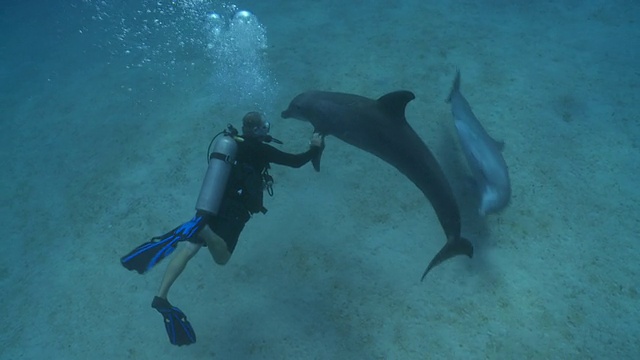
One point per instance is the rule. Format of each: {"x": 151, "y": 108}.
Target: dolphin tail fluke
{"x": 461, "y": 246}
{"x": 456, "y": 86}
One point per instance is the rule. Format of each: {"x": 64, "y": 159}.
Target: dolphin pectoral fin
{"x": 315, "y": 161}
{"x": 461, "y": 246}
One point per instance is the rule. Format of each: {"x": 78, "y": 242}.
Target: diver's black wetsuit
{"x": 243, "y": 194}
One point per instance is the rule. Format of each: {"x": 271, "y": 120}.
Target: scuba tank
{"x": 215, "y": 180}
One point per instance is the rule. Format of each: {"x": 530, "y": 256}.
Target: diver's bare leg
{"x": 217, "y": 246}
{"x": 176, "y": 266}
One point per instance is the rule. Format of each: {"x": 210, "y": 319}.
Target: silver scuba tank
{"x": 215, "y": 180}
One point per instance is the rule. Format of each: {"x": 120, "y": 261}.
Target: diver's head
{"x": 254, "y": 124}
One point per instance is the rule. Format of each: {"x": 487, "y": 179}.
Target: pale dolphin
{"x": 483, "y": 154}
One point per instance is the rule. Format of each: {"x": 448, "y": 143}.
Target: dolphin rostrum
{"x": 380, "y": 128}
{"x": 483, "y": 154}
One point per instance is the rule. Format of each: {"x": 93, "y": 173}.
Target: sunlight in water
{"x": 173, "y": 36}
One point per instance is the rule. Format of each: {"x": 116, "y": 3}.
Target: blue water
{"x": 107, "y": 108}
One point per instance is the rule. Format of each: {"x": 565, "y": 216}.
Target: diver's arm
{"x": 276, "y": 156}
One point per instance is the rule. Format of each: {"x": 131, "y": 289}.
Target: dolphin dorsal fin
{"x": 395, "y": 102}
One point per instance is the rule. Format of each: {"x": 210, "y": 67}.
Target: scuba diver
{"x": 232, "y": 191}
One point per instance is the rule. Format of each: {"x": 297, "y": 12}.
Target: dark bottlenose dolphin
{"x": 483, "y": 154}
{"x": 380, "y": 128}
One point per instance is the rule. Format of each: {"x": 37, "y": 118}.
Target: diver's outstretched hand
{"x": 317, "y": 140}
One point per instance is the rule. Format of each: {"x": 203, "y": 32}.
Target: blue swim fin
{"x": 147, "y": 255}
{"x": 178, "y": 327}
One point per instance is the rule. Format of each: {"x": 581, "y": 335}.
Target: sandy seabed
{"x": 98, "y": 155}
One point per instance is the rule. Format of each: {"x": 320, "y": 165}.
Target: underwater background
{"x": 107, "y": 108}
